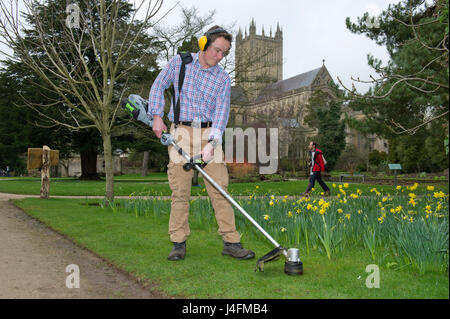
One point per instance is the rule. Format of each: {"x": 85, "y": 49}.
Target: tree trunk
{"x": 109, "y": 169}
{"x": 145, "y": 163}
{"x": 45, "y": 173}
{"x": 89, "y": 165}
{"x": 65, "y": 164}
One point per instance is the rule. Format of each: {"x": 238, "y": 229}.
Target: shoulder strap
{"x": 186, "y": 58}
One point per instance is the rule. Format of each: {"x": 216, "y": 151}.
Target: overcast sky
{"x": 312, "y": 31}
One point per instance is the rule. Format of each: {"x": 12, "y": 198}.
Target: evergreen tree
{"x": 412, "y": 97}
{"x": 324, "y": 112}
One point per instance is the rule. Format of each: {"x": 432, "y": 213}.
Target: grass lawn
{"x": 140, "y": 245}
{"x": 156, "y": 184}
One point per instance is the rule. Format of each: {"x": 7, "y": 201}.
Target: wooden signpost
{"x": 43, "y": 158}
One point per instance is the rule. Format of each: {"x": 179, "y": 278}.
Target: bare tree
{"x": 191, "y": 24}
{"x": 85, "y": 88}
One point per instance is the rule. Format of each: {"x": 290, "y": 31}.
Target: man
{"x": 203, "y": 116}
{"x": 317, "y": 165}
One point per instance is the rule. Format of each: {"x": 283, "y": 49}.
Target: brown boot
{"x": 178, "y": 251}
{"x": 237, "y": 251}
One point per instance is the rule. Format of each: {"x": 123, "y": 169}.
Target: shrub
{"x": 240, "y": 170}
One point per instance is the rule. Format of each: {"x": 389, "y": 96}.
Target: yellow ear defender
{"x": 204, "y": 41}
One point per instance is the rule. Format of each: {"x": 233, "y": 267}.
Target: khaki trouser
{"x": 192, "y": 141}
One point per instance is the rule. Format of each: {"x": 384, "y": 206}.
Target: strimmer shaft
{"x": 228, "y": 197}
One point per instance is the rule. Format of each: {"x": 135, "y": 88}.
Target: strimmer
{"x": 136, "y": 106}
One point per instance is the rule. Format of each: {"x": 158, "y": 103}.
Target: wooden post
{"x": 45, "y": 173}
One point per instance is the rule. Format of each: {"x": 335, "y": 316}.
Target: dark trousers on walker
{"x": 312, "y": 180}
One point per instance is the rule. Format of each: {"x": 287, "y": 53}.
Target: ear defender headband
{"x": 205, "y": 40}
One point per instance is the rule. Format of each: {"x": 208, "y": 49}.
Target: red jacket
{"x": 319, "y": 165}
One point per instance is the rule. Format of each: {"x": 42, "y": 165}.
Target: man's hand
{"x": 158, "y": 126}
{"x": 208, "y": 152}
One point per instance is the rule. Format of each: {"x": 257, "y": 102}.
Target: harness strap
{"x": 186, "y": 58}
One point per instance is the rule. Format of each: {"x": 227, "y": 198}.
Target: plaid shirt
{"x": 205, "y": 94}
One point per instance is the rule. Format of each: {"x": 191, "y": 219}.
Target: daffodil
{"x": 266, "y": 217}
{"x": 289, "y": 214}
{"x": 271, "y": 203}
{"x": 439, "y": 194}
{"x": 430, "y": 188}
{"x": 345, "y": 185}
{"x": 347, "y": 216}
{"x": 339, "y": 210}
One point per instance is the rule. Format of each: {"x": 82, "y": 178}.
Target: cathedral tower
{"x": 259, "y": 59}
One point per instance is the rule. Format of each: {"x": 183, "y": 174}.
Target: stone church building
{"x": 262, "y": 98}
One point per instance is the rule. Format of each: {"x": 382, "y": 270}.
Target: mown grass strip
{"x": 140, "y": 246}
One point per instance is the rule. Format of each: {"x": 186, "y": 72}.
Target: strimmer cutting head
{"x": 293, "y": 264}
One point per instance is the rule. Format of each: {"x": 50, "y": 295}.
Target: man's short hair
{"x": 226, "y": 35}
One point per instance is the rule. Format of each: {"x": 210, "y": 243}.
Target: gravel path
{"x": 33, "y": 261}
